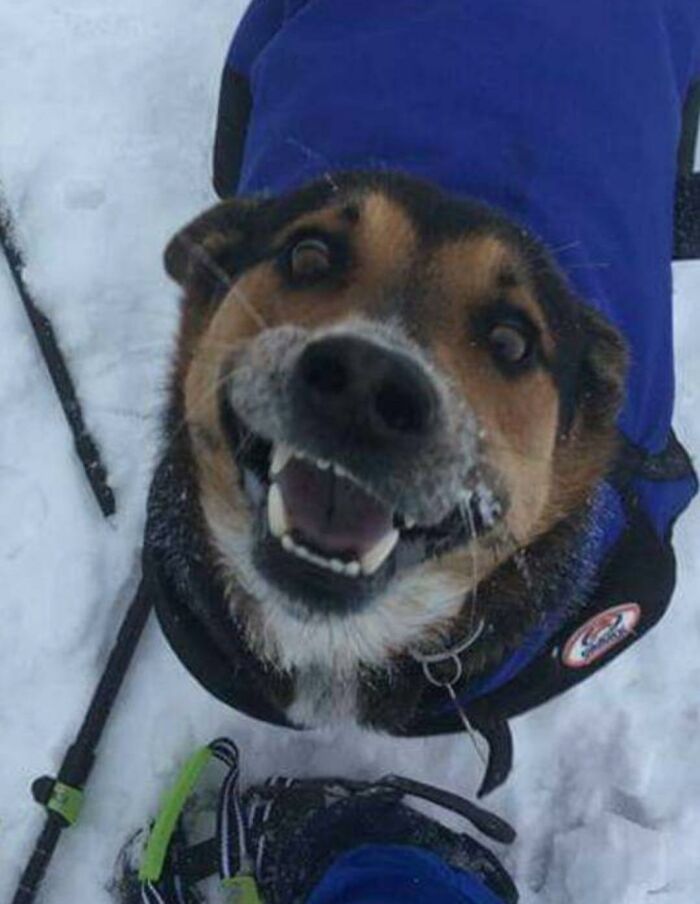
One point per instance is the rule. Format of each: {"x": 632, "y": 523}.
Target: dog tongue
{"x": 333, "y": 513}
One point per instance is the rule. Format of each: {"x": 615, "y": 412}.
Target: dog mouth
{"x": 320, "y": 513}
{"x": 323, "y": 536}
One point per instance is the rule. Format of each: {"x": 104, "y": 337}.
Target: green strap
{"x": 174, "y": 800}
{"x": 244, "y": 889}
{"x": 66, "y": 801}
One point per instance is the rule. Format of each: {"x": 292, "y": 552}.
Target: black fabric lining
{"x": 640, "y": 569}
{"x": 182, "y": 579}
{"x": 187, "y": 596}
{"x": 689, "y": 132}
{"x": 672, "y": 463}
{"x": 232, "y": 680}
{"x": 235, "y": 104}
{"x": 686, "y": 238}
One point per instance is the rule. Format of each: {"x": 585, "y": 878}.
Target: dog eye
{"x": 510, "y": 344}
{"x": 309, "y": 258}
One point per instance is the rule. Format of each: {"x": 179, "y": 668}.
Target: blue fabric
{"x": 392, "y": 874}
{"x": 606, "y": 525}
{"x": 565, "y": 116}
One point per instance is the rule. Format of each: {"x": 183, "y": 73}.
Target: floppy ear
{"x": 205, "y": 256}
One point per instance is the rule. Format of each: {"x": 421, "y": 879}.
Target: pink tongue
{"x": 331, "y": 512}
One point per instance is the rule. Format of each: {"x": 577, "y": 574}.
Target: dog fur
{"x": 423, "y": 276}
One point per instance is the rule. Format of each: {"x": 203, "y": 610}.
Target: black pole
{"x": 79, "y": 758}
{"x": 85, "y": 445}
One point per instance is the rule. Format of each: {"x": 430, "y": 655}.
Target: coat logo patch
{"x": 600, "y": 634}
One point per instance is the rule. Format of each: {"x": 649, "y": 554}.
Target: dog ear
{"x": 205, "y": 256}
{"x": 603, "y": 371}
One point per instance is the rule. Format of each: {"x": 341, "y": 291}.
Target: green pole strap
{"x": 174, "y": 800}
{"x": 66, "y": 801}
{"x": 244, "y": 890}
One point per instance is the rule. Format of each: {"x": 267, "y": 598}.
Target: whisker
{"x": 521, "y": 563}
{"x": 205, "y": 258}
{"x": 222, "y": 278}
{"x": 244, "y": 443}
{"x": 204, "y": 397}
{"x": 128, "y": 413}
{"x": 331, "y": 181}
{"x": 245, "y": 303}
{"x": 576, "y": 243}
{"x": 465, "y": 509}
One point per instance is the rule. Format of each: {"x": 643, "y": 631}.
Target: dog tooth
{"x": 288, "y": 544}
{"x": 322, "y": 463}
{"x": 276, "y": 512}
{"x": 409, "y": 523}
{"x": 281, "y": 455}
{"x": 315, "y": 559}
{"x": 371, "y": 561}
{"x": 351, "y": 569}
{"x": 302, "y": 552}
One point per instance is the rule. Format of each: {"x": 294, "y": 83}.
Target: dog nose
{"x": 365, "y": 392}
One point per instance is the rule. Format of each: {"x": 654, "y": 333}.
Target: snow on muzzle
{"x": 358, "y": 459}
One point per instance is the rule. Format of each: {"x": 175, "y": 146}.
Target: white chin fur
{"x": 334, "y": 646}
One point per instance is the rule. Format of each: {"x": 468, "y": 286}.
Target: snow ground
{"x": 107, "y": 114}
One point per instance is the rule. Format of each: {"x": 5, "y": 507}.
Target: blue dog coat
{"x": 566, "y": 117}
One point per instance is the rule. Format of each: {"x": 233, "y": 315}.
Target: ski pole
{"x": 85, "y": 445}
{"x": 62, "y": 796}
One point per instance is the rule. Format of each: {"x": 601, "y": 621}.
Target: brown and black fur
{"x": 443, "y": 268}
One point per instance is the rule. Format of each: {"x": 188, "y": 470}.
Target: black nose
{"x": 363, "y": 392}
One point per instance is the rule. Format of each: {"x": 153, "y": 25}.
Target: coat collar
{"x": 188, "y": 591}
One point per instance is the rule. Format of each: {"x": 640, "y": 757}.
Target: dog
{"x": 393, "y": 443}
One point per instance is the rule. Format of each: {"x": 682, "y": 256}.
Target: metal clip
{"x": 429, "y": 661}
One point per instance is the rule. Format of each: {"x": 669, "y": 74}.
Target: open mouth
{"x": 321, "y": 514}
{"x": 323, "y": 536}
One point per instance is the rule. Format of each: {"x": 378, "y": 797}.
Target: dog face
{"x": 387, "y": 393}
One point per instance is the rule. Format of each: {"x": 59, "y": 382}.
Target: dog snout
{"x": 364, "y": 392}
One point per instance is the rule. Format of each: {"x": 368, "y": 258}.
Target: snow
{"x": 107, "y": 113}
